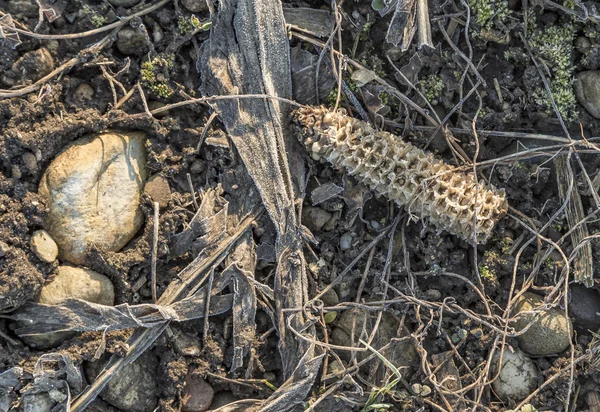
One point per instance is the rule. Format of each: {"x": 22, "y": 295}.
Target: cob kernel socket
{"x": 427, "y": 187}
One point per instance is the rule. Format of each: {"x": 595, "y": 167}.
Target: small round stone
{"x": 3, "y": 249}
{"x": 79, "y": 283}
{"x": 587, "y": 91}
{"x": 314, "y": 218}
{"x": 43, "y": 246}
{"x": 346, "y": 241}
{"x": 131, "y": 42}
{"x": 584, "y": 307}
{"x": 195, "y": 6}
{"x": 159, "y": 190}
{"x": 517, "y": 378}
{"x": 83, "y": 93}
{"x": 124, "y": 3}
{"x": 30, "y": 162}
{"x": 550, "y": 331}
{"x": 197, "y": 394}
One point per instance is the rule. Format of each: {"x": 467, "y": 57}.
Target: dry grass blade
{"x": 583, "y": 270}
{"x": 248, "y": 53}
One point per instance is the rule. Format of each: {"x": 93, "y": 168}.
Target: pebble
{"x": 584, "y": 307}
{"x": 346, "y": 241}
{"x": 402, "y": 354}
{"x": 131, "y": 42}
{"x": 587, "y": 91}
{"x": 71, "y": 282}
{"x": 314, "y": 218}
{"x": 23, "y": 8}
{"x": 155, "y": 104}
{"x": 124, "y": 3}
{"x": 133, "y": 388}
{"x": 159, "y": 190}
{"x": 78, "y": 283}
{"x": 195, "y": 6}
{"x": 92, "y": 191}
{"x": 30, "y": 67}
{"x": 30, "y": 162}
{"x": 433, "y": 295}
{"x": 198, "y": 166}
{"x": 197, "y": 394}
{"x": 43, "y": 246}
{"x": 184, "y": 344}
{"x": 550, "y": 332}
{"x": 330, "y": 298}
{"x": 3, "y": 249}
{"x": 518, "y": 375}
{"x": 223, "y": 398}
{"x": 83, "y": 93}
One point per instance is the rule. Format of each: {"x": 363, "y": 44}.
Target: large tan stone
{"x": 92, "y": 190}
{"x": 76, "y": 283}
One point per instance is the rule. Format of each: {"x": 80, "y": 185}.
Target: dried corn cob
{"x": 452, "y": 200}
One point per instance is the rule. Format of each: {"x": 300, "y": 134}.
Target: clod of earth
{"x": 158, "y": 189}
{"x": 92, "y": 191}
{"x": 518, "y": 375}
{"x": 451, "y": 199}
{"x": 76, "y": 283}
{"x": 550, "y": 332}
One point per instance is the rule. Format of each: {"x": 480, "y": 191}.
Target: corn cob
{"x": 453, "y": 200}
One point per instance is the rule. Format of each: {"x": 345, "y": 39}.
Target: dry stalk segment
{"x": 427, "y": 187}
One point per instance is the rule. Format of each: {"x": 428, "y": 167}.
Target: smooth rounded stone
{"x": 197, "y": 394}
{"x": 584, "y": 307}
{"x": 159, "y": 190}
{"x": 195, "y": 6}
{"x": 30, "y": 67}
{"x": 83, "y": 93}
{"x": 76, "y": 283}
{"x": 92, "y": 190}
{"x": 401, "y": 354}
{"x": 124, "y": 3}
{"x": 550, "y": 332}
{"x": 517, "y": 378}
{"x": 133, "y": 388}
{"x": 223, "y": 398}
{"x": 131, "y": 42}
{"x": 30, "y": 162}
{"x": 330, "y": 298}
{"x": 314, "y": 218}
{"x": 3, "y": 248}
{"x": 23, "y": 8}
{"x": 43, "y": 246}
{"x": 346, "y": 241}
{"x": 587, "y": 91}
{"x": 154, "y": 105}
{"x": 184, "y": 344}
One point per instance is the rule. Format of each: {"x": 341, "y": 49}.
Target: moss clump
{"x": 432, "y": 87}
{"x": 489, "y": 14}
{"x": 189, "y": 24}
{"x": 155, "y": 74}
{"x": 554, "y": 47}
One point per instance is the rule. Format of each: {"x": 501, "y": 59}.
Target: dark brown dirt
{"x": 43, "y": 123}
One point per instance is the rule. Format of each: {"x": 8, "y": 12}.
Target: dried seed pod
{"x": 427, "y": 187}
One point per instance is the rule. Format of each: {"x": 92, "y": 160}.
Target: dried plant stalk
{"x": 452, "y": 200}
